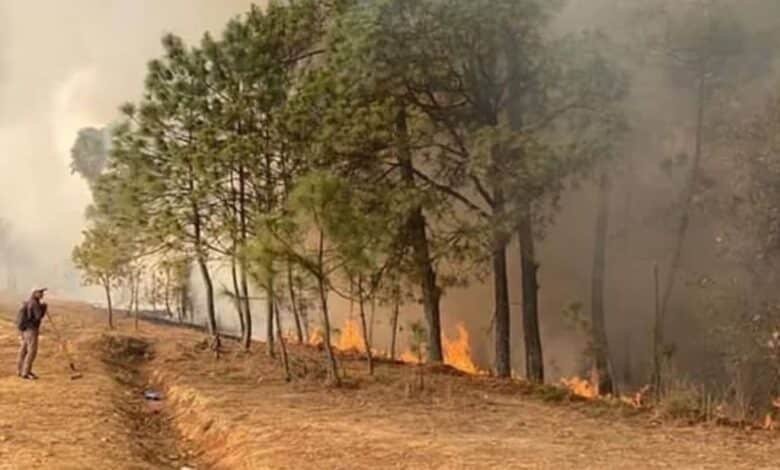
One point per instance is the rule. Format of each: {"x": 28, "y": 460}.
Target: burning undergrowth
{"x": 457, "y": 349}
{"x": 672, "y": 405}
{"x": 458, "y": 357}
{"x": 687, "y": 405}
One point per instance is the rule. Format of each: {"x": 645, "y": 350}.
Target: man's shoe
{"x": 30, "y": 377}
{"x": 33, "y": 376}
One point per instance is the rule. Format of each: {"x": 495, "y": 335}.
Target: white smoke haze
{"x": 64, "y": 66}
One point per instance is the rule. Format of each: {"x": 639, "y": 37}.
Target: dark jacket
{"x": 31, "y": 314}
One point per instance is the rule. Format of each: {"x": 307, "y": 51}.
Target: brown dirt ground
{"x": 239, "y": 413}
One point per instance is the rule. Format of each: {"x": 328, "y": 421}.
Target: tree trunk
{"x": 131, "y": 279}
{"x": 351, "y": 296}
{"x": 304, "y": 313}
{"x": 179, "y": 307}
{"x": 518, "y": 104}
{"x": 167, "y": 294}
{"x": 154, "y": 292}
{"x": 333, "y": 371}
{"x": 688, "y": 194}
{"x": 269, "y": 325}
{"x": 534, "y": 361}
{"x": 136, "y": 307}
{"x": 658, "y": 335}
{"x": 185, "y": 292}
{"x": 503, "y": 332}
{"x": 211, "y": 315}
{"x": 394, "y": 326}
{"x": 130, "y": 305}
{"x": 211, "y": 312}
{"x": 242, "y": 215}
{"x": 242, "y": 261}
{"x": 372, "y": 321}
{"x": 294, "y": 303}
{"x": 418, "y": 239}
{"x": 363, "y": 323}
{"x": 282, "y": 344}
{"x": 184, "y": 312}
{"x": 331, "y": 357}
{"x": 200, "y": 255}
{"x": 601, "y": 357}
{"x": 237, "y": 295}
{"x": 107, "y": 287}
{"x": 430, "y": 289}
{"x": 501, "y": 293}
{"x": 247, "y": 308}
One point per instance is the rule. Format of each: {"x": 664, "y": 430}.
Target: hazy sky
{"x": 65, "y": 65}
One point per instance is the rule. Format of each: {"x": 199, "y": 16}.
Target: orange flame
{"x": 351, "y": 338}
{"x": 457, "y": 352}
{"x": 410, "y": 357}
{"x": 580, "y": 387}
{"x": 316, "y": 337}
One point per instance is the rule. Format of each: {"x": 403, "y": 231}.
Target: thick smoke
{"x": 643, "y": 218}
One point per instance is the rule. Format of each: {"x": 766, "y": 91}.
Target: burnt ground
{"x": 238, "y": 413}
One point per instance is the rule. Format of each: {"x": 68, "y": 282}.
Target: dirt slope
{"x": 96, "y": 421}
{"x": 238, "y": 413}
{"x": 458, "y": 423}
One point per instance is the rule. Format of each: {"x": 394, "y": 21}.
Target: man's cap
{"x": 39, "y": 289}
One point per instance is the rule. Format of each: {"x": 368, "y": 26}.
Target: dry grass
{"x": 89, "y": 423}
{"x": 239, "y": 413}
{"x": 384, "y": 422}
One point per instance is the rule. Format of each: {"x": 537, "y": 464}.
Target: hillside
{"x": 238, "y": 412}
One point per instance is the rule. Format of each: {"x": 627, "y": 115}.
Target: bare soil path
{"x": 97, "y": 421}
{"x": 238, "y": 413}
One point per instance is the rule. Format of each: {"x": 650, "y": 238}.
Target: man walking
{"x": 29, "y": 322}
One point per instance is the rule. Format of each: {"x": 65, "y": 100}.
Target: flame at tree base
{"x": 350, "y": 338}
{"x": 581, "y": 387}
{"x": 457, "y": 352}
{"x": 316, "y": 338}
{"x": 410, "y": 358}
